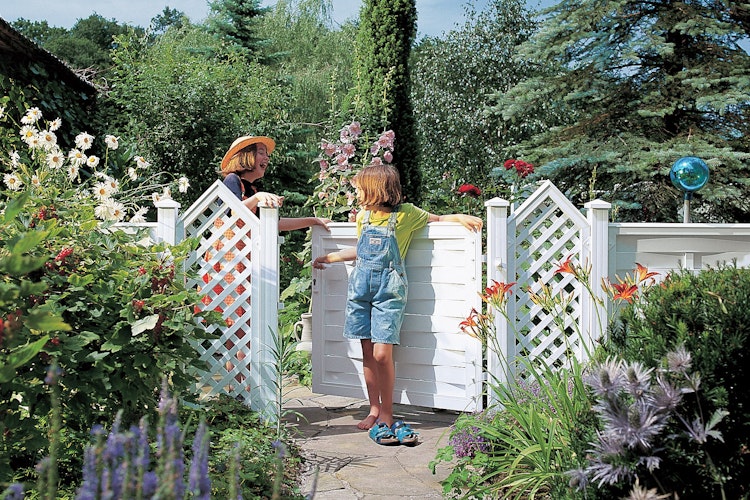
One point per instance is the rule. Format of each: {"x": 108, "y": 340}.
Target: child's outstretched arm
{"x": 468, "y": 221}
{"x": 340, "y": 256}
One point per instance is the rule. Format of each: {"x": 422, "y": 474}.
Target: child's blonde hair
{"x": 243, "y": 160}
{"x": 380, "y": 185}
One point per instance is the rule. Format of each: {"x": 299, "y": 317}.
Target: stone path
{"x": 350, "y": 465}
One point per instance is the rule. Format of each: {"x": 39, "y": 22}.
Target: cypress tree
{"x": 384, "y": 40}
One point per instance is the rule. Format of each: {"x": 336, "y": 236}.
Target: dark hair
{"x": 380, "y": 185}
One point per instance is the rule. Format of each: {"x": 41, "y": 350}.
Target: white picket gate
{"x": 437, "y": 365}
{"x": 237, "y": 263}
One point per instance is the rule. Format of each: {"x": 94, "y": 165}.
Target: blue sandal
{"x": 382, "y": 434}
{"x": 405, "y": 434}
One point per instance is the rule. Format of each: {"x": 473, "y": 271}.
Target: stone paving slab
{"x": 349, "y": 464}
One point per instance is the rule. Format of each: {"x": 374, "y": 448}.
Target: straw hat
{"x": 242, "y": 142}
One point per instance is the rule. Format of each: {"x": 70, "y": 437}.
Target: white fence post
{"x": 597, "y": 214}
{"x": 169, "y": 227}
{"x": 265, "y": 323}
{"x": 498, "y": 259}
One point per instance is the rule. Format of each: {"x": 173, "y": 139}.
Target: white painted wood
{"x": 437, "y": 365}
{"x": 234, "y": 245}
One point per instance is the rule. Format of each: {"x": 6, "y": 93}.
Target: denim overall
{"x": 376, "y": 295}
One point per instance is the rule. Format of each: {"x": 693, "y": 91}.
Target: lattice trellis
{"x": 546, "y": 233}
{"x": 549, "y": 314}
{"x": 228, "y": 255}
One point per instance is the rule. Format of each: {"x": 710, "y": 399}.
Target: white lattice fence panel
{"x": 547, "y": 229}
{"x": 224, "y": 268}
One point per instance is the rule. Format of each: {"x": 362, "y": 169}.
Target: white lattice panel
{"x": 545, "y": 231}
{"x": 226, "y": 259}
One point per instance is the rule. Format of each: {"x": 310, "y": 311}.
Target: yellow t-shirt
{"x": 409, "y": 219}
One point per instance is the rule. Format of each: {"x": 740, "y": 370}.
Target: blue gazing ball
{"x": 689, "y": 173}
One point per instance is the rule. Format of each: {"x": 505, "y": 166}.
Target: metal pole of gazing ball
{"x": 689, "y": 174}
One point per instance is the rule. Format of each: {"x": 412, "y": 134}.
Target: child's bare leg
{"x": 370, "y": 369}
{"x": 386, "y": 372}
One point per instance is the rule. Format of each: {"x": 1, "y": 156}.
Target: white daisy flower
{"x": 48, "y": 139}
{"x": 76, "y": 157}
{"x": 73, "y": 171}
{"x": 111, "y": 141}
{"x": 35, "y": 181}
{"x": 132, "y": 174}
{"x": 84, "y": 141}
{"x": 101, "y": 175}
{"x": 139, "y": 216}
{"x": 141, "y": 162}
{"x": 115, "y": 210}
{"x": 35, "y": 142}
{"x": 13, "y": 181}
{"x": 114, "y": 185}
{"x": 183, "y": 184}
{"x": 2, "y": 111}
{"x": 34, "y": 114}
{"x": 28, "y": 132}
{"x": 55, "y": 159}
{"x": 101, "y": 191}
{"x": 55, "y": 125}
{"x": 92, "y": 161}
{"x": 101, "y": 211}
{"x": 15, "y": 158}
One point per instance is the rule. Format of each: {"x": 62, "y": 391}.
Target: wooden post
{"x": 169, "y": 227}
{"x": 598, "y": 256}
{"x": 499, "y": 364}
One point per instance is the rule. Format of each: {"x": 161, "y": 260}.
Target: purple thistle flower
{"x": 679, "y": 360}
{"x": 199, "y": 483}
{"x": 666, "y": 397}
{"x": 637, "y": 379}
{"x": 578, "y": 479}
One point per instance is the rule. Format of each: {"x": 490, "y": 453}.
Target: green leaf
{"x": 144, "y": 324}
{"x": 20, "y": 357}
{"x": 14, "y": 206}
{"x": 28, "y": 241}
{"x": 45, "y": 321}
{"x": 18, "y": 265}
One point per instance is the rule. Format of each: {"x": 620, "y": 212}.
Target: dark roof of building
{"x": 14, "y": 43}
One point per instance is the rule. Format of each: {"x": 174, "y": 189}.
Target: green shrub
{"x": 709, "y": 314}
{"x": 129, "y": 317}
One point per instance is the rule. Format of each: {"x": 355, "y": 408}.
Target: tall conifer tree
{"x": 384, "y": 40}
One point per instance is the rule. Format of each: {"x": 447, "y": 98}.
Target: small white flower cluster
{"x": 42, "y": 143}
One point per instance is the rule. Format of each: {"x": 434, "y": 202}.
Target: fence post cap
{"x": 598, "y": 204}
{"x": 497, "y": 202}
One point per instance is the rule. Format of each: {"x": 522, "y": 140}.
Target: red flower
{"x": 469, "y": 189}
{"x": 522, "y": 168}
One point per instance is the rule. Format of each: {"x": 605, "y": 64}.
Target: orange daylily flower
{"x": 625, "y": 292}
{"x": 642, "y": 274}
{"x": 566, "y": 267}
{"x": 470, "y": 324}
{"x": 496, "y": 289}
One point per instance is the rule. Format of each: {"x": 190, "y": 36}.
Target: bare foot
{"x": 368, "y": 422}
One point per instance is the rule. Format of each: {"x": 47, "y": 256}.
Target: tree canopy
{"x": 642, "y": 84}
